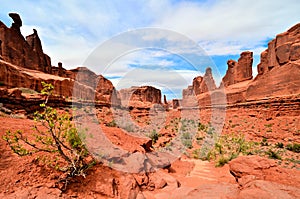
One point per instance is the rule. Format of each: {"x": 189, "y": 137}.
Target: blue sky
{"x": 72, "y": 30}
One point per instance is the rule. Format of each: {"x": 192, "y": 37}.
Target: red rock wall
{"x": 144, "y": 94}
{"x": 281, "y": 50}
{"x": 25, "y": 53}
{"x": 239, "y": 71}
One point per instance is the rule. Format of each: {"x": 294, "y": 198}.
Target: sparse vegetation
{"x": 56, "y": 139}
{"x": 295, "y": 147}
{"x": 264, "y": 142}
{"x": 229, "y": 147}
{"x": 279, "y": 145}
{"x": 186, "y": 140}
{"x": 112, "y": 124}
{"x": 154, "y": 136}
{"x": 273, "y": 154}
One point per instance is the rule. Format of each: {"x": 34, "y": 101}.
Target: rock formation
{"x": 187, "y": 92}
{"x": 20, "y": 55}
{"x": 281, "y": 50}
{"x": 25, "y": 53}
{"x": 165, "y": 100}
{"x": 144, "y": 94}
{"x": 200, "y": 85}
{"x": 239, "y": 71}
{"x": 279, "y": 68}
{"x": 175, "y": 103}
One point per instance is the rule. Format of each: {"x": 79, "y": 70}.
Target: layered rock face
{"x": 279, "y": 68}
{"x": 25, "y": 53}
{"x": 24, "y": 64}
{"x": 281, "y": 50}
{"x": 205, "y": 83}
{"x": 239, "y": 71}
{"x": 144, "y": 94}
{"x": 200, "y": 85}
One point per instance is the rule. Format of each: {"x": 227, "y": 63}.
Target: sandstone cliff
{"x": 24, "y": 64}
{"x": 200, "y": 85}
{"x": 279, "y": 68}
{"x": 239, "y": 71}
{"x": 278, "y": 75}
{"x": 18, "y": 51}
{"x": 281, "y": 50}
{"x": 136, "y": 96}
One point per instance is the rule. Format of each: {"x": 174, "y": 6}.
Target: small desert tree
{"x": 56, "y": 138}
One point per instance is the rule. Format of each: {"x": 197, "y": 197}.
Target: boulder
{"x": 249, "y": 168}
{"x": 260, "y": 177}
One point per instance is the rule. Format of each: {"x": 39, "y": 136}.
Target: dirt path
{"x": 204, "y": 173}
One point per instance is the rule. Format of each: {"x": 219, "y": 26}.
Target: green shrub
{"x": 187, "y": 140}
{"x": 222, "y": 161}
{"x": 264, "y": 142}
{"x": 59, "y": 140}
{"x": 279, "y": 145}
{"x": 229, "y": 147}
{"x": 154, "y": 136}
{"x": 295, "y": 147}
{"x": 273, "y": 155}
{"x": 112, "y": 124}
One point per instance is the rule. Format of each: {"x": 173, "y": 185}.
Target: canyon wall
{"x": 136, "y": 96}
{"x": 278, "y": 75}
{"x": 15, "y": 49}
{"x": 239, "y": 71}
{"x": 23, "y": 64}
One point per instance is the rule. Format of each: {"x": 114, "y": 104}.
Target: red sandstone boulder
{"x": 262, "y": 178}
{"x": 249, "y": 168}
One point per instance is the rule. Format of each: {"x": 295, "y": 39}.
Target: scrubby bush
{"x": 295, "y": 147}
{"x": 273, "y": 154}
{"x": 187, "y": 140}
{"x": 112, "y": 124}
{"x": 56, "y": 139}
{"x": 154, "y": 136}
{"x": 229, "y": 147}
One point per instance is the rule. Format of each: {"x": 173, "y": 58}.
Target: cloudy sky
{"x": 165, "y": 43}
